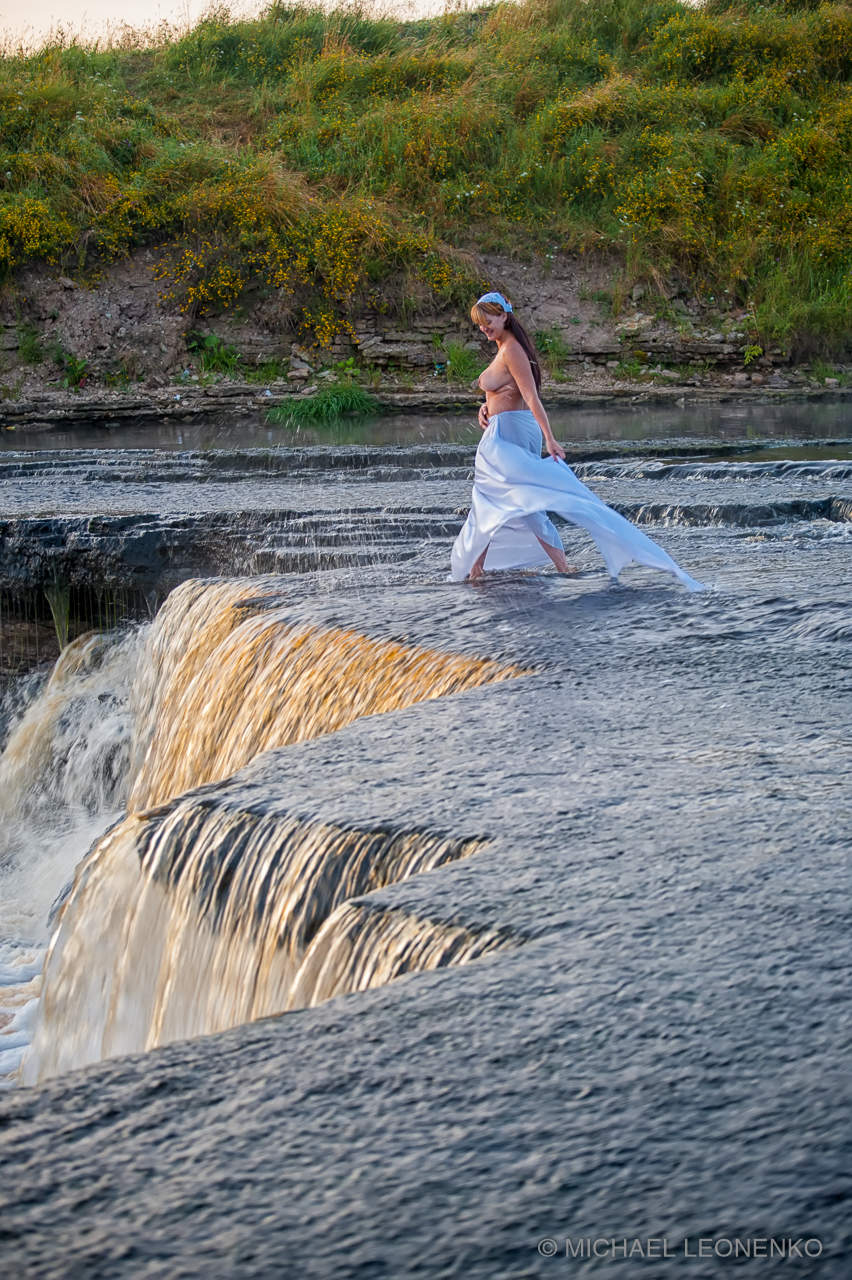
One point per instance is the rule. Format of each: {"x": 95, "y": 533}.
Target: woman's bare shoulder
{"x": 514, "y": 357}
{"x": 512, "y": 348}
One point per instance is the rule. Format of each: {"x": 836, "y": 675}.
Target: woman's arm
{"x": 517, "y": 362}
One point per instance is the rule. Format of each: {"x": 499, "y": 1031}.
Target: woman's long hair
{"x": 517, "y": 330}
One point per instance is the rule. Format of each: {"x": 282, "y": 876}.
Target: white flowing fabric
{"x": 514, "y": 487}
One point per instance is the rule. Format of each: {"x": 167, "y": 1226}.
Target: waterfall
{"x": 63, "y": 778}
{"x": 70, "y": 749}
{"x": 196, "y": 913}
{"x": 363, "y": 945}
{"x": 229, "y": 674}
{"x": 195, "y": 917}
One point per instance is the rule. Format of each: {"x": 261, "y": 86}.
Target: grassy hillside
{"x": 337, "y": 157}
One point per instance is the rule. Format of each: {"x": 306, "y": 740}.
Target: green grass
{"x": 327, "y": 407}
{"x": 349, "y": 162}
{"x": 553, "y": 350}
{"x": 819, "y": 370}
{"x": 632, "y": 369}
{"x": 269, "y": 371}
{"x": 30, "y": 350}
{"x": 213, "y": 354}
{"x": 461, "y": 364}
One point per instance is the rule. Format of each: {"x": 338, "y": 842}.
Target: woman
{"x": 514, "y": 487}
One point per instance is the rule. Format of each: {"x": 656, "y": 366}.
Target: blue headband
{"x": 495, "y": 297}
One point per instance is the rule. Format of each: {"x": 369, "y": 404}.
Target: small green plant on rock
{"x": 121, "y": 374}
{"x": 74, "y": 369}
{"x": 268, "y": 371}
{"x": 752, "y": 352}
{"x": 345, "y": 370}
{"x": 553, "y": 349}
{"x": 30, "y": 350}
{"x": 819, "y": 371}
{"x": 214, "y": 355}
{"x": 631, "y": 369}
{"x": 461, "y": 365}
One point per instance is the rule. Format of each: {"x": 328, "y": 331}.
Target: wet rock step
{"x": 736, "y": 514}
{"x": 284, "y": 559}
{"x": 155, "y": 553}
{"x": 225, "y": 465}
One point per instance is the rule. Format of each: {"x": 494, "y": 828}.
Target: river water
{"x": 603, "y": 829}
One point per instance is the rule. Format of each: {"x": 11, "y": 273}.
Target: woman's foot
{"x": 477, "y": 568}
{"x": 557, "y": 555}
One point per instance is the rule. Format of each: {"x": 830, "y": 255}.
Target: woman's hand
{"x": 483, "y": 417}
{"x": 554, "y": 448}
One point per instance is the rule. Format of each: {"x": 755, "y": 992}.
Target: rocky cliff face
{"x": 118, "y": 332}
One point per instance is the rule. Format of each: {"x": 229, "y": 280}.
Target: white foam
{"x": 62, "y": 778}
{"x": 15, "y": 1039}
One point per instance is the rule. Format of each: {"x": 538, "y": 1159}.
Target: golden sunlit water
{"x": 229, "y": 678}
{"x": 155, "y": 946}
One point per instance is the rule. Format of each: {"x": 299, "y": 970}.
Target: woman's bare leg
{"x": 477, "y": 568}
{"x": 557, "y": 555}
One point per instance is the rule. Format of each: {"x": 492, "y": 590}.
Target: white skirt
{"x": 513, "y": 488}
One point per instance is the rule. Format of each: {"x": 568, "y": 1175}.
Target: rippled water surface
{"x": 632, "y": 1023}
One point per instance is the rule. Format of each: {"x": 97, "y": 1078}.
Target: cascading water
{"x": 193, "y": 915}
{"x": 63, "y": 779}
{"x": 230, "y": 674}
{"x": 231, "y": 668}
{"x": 664, "y": 804}
{"x": 70, "y": 747}
{"x": 191, "y": 918}
{"x": 363, "y": 944}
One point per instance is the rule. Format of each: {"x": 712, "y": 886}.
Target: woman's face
{"x": 492, "y": 326}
